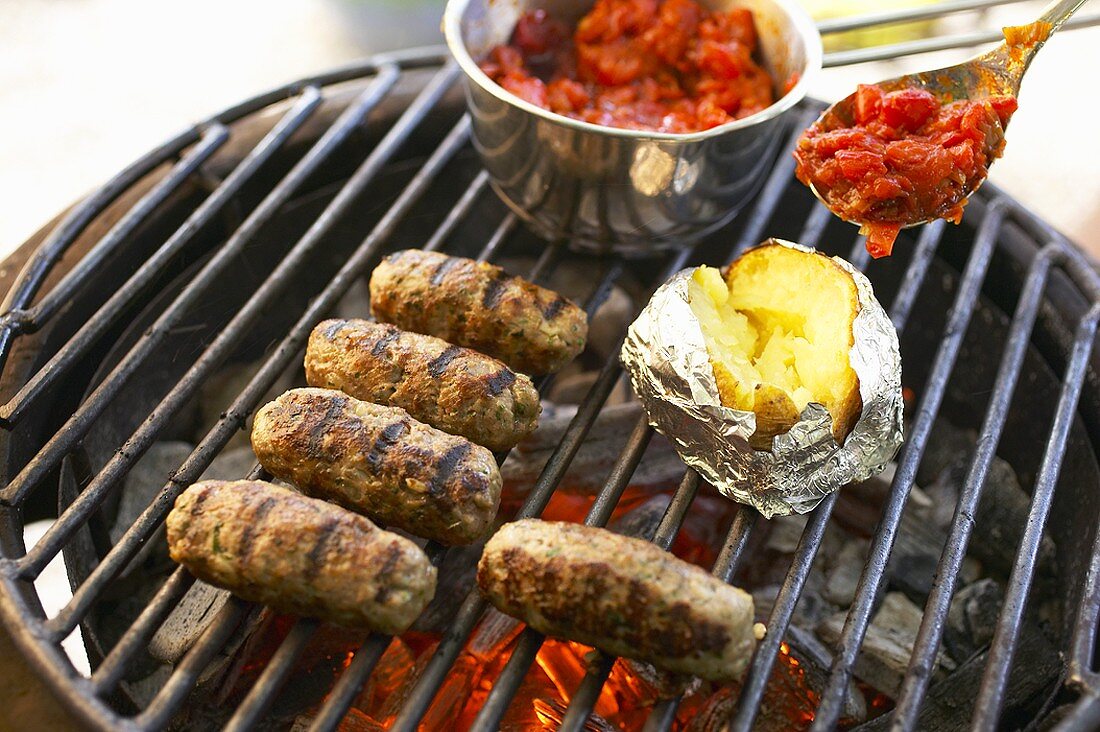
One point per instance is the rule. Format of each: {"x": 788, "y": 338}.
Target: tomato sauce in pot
{"x": 904, "y": 158}
{"x": 659, "y": 65}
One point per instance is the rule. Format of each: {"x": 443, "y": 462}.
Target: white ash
{"x": 972, "y": 618}
{"x": 230, "y": 464}
{"x": 843, "y": 575}
{"x": 884, "y": 658}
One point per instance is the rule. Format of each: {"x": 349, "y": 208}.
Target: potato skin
{"x": 380, "y": 462}
{"x": 454, "y": 389}
{"x": 625, "y": 596}
{"x": 477, "y": 305}
{"x": 299, "y": 555}
{"x": 776, "y": 413}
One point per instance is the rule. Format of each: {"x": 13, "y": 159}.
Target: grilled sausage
{"x": 380, "y": 462}
{"x": 299, "y": 555}
{"x": 625, "y": 596}
{"x": 449, "y": 387}
{"x": 477, "y": 305}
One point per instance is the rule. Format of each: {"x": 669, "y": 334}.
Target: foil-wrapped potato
{"x": 778, "y": 379}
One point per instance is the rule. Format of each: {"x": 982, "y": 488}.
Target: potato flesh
{"x": 778, "y": 335}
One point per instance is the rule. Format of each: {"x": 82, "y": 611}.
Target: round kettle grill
{"x": 228, "y": 243}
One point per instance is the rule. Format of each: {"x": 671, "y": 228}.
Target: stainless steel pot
{"x": 608, "y": 188}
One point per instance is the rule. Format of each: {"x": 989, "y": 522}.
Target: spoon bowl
{"x": 998, "y": 72}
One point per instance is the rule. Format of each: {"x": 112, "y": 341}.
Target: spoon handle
{"x": 1008, "y": 63}
{"x": 1058, "y": 12}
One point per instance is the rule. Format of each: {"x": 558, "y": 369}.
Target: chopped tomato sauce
{"x": 903, "y": 158}
{"x": 1027, "y": 35}
{"x": 661, "y": 65}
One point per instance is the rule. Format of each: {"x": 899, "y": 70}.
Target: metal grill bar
{"x": 458, "y": 212}
{"x": 78, "y": 346}
{"x": 38, "y": 267}
{"x": 859, "y": 615}
{"x": 506, "y": 226}
{"x": 927, "y": 244}
{"x": 763, "y": 658}
{"x": 137, "y": 636}
{"x": 76, "y": 426}
{"x": 663, "y": 715}
{"x": 1081, "y": 667}
{"x": 725, "y": 566}
{"x": 729, "y": 558}
{"x": 991, "y": 695}
{"x": 907, "y": 15}
{"x": 587, "y": 693}
{"x": 186, "y": 674}
{"x": 75, "y": 278}
{"x": 423, "y": 692}
{"x": 768, "y": 200}
{"x": 816, "y": 222}
{"x": 676, "y": 511}
{"x": 927, "y": 644}
{"x": 263, "y": 693}
{"x": 350, "y": 682}
{"x": 336, "y": 707}
{"x": 213, "y": 356}
{"x": 928, "y": 45}
{"x": 600, "y": 512}
{"x": 275, "y": 364}
{"x": 275, "y": 674}
{"x": 1084, "y": 716}
{"x": 510, "y": 678}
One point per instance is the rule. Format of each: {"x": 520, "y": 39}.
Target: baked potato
{"x": 778, "y": 378}
{"x": 778, "y": 329}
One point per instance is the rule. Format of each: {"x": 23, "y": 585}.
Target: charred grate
{"x": 32, "y": 309}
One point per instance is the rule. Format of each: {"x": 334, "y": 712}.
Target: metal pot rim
{"x": 796, "y": 15}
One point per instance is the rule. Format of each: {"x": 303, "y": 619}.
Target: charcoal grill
{"x": 233, "y": 239}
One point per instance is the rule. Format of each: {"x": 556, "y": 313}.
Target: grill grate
{"x": 39, "y": 636}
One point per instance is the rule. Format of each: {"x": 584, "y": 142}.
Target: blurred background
{"x": 87, "y": 86}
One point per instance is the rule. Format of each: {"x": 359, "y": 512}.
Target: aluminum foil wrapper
{"x": 669, "y": 367}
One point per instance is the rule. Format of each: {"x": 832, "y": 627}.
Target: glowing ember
{"x": 625, "y": 702}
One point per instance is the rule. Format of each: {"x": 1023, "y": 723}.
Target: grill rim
{"x": 52, "y": 663}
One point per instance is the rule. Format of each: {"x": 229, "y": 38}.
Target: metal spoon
{"x": 996, "y": 72}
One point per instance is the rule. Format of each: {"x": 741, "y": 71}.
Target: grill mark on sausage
{"x": 318, "y": 428}
{"x": 494, "y": 289}
{"x": 392, "y": 557}
{"x": 248, "y": 535}
{"x": 444, "y": 267}
{"x": 317, "y": 553}
{"x": 555, "y": 307}
{"x": 500, "y": 381}
{"x": 439, "y": 364}
{"x": 200, "y": 499}
{"x": 387, "y": 438}
{"x": 335, "y": 327}
{"x": 380, "y": 345}
{"x": 446, "y": 466}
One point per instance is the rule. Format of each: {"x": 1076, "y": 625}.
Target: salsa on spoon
{"x": 911, "y": 149}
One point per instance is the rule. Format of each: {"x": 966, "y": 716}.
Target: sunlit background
{"x": 86, "y": 86}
